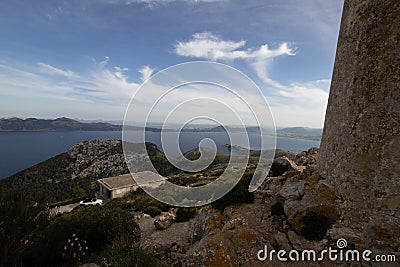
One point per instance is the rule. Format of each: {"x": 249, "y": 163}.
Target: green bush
{"x": 96, "y": 227}
{"x": 122, "y": 252}
{"x": 18, "y": 219}
{"x": 152, "y": 211}
{"x": 139, "y": 201}
{"x": 185, "y": 214}
{"x": 239, "y": 194}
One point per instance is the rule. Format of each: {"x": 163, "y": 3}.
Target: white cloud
{"x": 208, "y": 46}
{"x": 146, "y": 72}
{"x": 46, "y": 68}
{"x": 211, "y": 47}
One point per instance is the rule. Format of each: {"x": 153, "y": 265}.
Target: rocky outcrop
{"x": 71, "y": 174}
{"x": 295, "y": 210}
{"x": 97, "y": 158}
{"x": 65, "y": 175}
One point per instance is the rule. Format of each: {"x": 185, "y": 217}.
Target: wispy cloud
{"x": 161, "y": 2}
{"x": 311, "y": 93}
{"x": 46, "y": 68}
{"x": 101, "y": 91}
{"x": 146, "y": 72}
{"x": 299, "y": 104}
{"x": 100, "y": 84}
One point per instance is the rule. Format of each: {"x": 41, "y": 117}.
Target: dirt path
{"x": 63, "y": 209}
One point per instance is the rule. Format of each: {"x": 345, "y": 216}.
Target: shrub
{"x": 122, "y": 252}
{"x": 18, "y": 219}
{"x": 185, "y": 214}
{"x": 239, "y": 194}
{"x": 94, "y": 226}
{"x": 152, "y": 211}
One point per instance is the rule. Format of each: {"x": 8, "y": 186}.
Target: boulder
{"x": 352, "y": 237}
{"x": 207, "y": 221}
{"x": 239, "y": 232}
{"x": 281, "y": 165}
{"x": 214, "y": 250}
{"x": 165, "y": 220}
{"x": 282, "y": 241}
{"x": 315, "y": 212}
{"x": 292, "y": 190}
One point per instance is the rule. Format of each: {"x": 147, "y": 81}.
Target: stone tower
{"x": 360, "y": 147}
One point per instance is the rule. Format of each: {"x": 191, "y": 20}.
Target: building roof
{"x": 116, "y": 182}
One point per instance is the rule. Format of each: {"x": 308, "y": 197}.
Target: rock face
{"x": 219, "y": 240}
{"x": 97, "y": 158}
{"x": 360, "y": 147}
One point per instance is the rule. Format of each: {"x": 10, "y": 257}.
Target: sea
{"x": 20, "y": 150}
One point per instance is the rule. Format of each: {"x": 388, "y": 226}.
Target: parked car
{"x": 91, "y": 201}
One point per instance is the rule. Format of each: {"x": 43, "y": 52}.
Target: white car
{"x": 91, "y": 201}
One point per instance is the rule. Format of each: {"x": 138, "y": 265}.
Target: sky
{"x": 85, "y": 59}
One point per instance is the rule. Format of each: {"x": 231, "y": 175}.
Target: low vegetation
{"x": 30, "y": 237}
{"x": 239, "y": 194}
{"x": 107, "y": 235}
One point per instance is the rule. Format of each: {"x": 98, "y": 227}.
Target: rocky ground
{"x": 293, "y": 209}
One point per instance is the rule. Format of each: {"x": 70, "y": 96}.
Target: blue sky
{"x": 86, "y": 58}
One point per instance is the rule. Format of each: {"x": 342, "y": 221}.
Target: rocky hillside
{"x": 74, "y": 173}
{"x": 293, "y": 209}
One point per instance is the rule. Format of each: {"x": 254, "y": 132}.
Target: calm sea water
{"x": 20, "y": 150}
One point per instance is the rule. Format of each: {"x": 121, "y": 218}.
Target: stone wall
{"x": 360, "y": 147}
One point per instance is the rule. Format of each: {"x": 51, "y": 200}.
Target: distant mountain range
{"x": 67, "y": 124}
{"x": 59, "y": 124}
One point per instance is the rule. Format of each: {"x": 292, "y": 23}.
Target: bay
{"x": 20, "y": 150}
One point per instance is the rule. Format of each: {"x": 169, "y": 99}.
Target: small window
{"x": 120, "y": 190}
